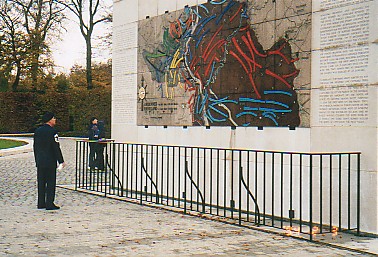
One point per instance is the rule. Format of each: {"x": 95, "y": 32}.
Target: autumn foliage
{"x": 65, "y": 95}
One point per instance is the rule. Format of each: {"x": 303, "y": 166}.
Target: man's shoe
{"x": 54, "y": 207}
{"x": 41, "y": 207}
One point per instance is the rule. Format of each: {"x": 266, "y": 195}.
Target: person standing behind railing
{"x": 100, "y": 146}
{"x": 93, "y": 134}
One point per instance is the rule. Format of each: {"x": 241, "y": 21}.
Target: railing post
{"x": 310, "y": 187}
{"x": 349, "y": 168}
{"x": 76, "y": 162}
{"x": 291, "y": 211}
{"x": 105, "y": 182}
{"x": 358, "y": 192}
{"x": 113, "y": 169}
{"x": 272, "y": 183}
{"x": 240, "y": 184}
{"x": 321, "y": 191}
{"x": 185, "y": 181}
{"x": 141, "y": 175}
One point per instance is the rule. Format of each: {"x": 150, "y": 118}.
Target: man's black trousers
{"x": 46, "y": 186}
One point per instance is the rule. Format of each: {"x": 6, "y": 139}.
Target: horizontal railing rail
{"x": 310, "y": 193}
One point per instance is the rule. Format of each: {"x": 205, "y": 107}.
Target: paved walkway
{"x": 89, "y": 225}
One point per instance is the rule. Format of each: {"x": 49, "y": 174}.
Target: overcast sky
{"x": 71, "y": 50}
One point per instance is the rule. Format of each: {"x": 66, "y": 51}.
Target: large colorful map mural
{"x": 206, "y": 66}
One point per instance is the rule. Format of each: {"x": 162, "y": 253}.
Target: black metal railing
{"x": 311, "y": 193}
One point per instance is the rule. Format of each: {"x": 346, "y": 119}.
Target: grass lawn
{"x": 5, "y": 143}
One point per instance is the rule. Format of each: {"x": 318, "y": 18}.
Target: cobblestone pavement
{"x": 89, "y": 225}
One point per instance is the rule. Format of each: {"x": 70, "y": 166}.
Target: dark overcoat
{"x": 46, "y": 146}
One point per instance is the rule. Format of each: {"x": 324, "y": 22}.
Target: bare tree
{"x": 89, "y": 14}
{"x": 41, "y": 18}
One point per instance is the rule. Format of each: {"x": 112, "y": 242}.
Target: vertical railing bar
{"x": 81, "y": 173}
{"x": 121, "y": 162}
{"x": 103, "y": 177}
{"x": 232, "y": 184}
{"x": 240, "y": 183}
{"x": 85, "y": 175}
{"x": 77, "y": 143}
{"x": 99, "y": 177}
{"x": 204, "y": 176}
{"x": 123, "y": 168}
{"x": 282, "y": 190}
{"x": 198, "y": 175}
{"x": 89, "y": 177}
{"x": 311, "y": 196}
{"x": 119, "y": 169}
{"x": 256, "y": 183}
{"x": 116, "y": 171}
{"x": 272, "y": 159}
{"x": 173, "y": 175}
{"x": 83, "y": 158}
{"x": 112, "y": 188}
{"x": 80, "y": 163}
{"x": 330, "y": 192}
{"x": 108, "y": 177}
{"x": 162, "y": 173}
{"x": 291, "y": 189}
{"x": 141, "y": 175}
{"x": 358, "y": 192}
{"x": 191, "y": 174}
{"x": 185, "y": 178}
{"x": 321, "y": 191}
{"x": 340, "y": 188}
{"x": 152, "y": 173}
{"x": 127, "y": 170}
{"x": 136, "y": 174}
{"x": 110, "y": 173}
{"x": 105, "y": 182}
{"x": 157, "y": 172}
{"x": 179, "y": 176}
{"x": 132, "y": 170}
{"x": 167, "y": 171}
{"x": 300, "y": 190}
{"x": 264, "y": 188}
{"x": 248, "y": 181}
{"x": 85, "y": 178}
{"x": 349, "y": 191}
{"x": 85, "y": 168}
{"x": 211, "y": 181}
{"x": 225, "y": 183}
{"x": 146, "y": 180}
{"x": 95, "y": 181}
{"x": 218, "y": 174}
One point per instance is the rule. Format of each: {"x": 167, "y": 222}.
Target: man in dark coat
{"x": 47, "y": 154}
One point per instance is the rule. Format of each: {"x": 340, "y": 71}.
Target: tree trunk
{"x": 89, "y": 63}
{"x": 34, "y": 71}
{"x": 16, "y": 82}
